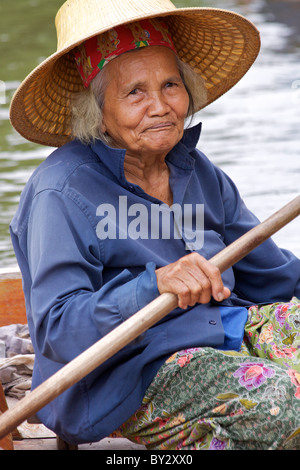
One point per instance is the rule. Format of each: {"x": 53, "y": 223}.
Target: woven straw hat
{"x": 220, "y": 45}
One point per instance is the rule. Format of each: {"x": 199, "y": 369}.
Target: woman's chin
{"x": 163, "y": 141}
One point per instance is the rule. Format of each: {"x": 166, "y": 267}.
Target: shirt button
{"x": 190, "y": 246}
{"x": 131, "y": 188}
{"x": 212, "y": 322}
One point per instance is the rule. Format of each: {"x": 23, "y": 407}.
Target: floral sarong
{"x": 205, "y": 399}
{"x": 273, "y": 331}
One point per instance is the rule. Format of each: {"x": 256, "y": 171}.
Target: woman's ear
{"x": 103, "y": 127}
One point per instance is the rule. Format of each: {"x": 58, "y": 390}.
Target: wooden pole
{"x": 114, "y": 341}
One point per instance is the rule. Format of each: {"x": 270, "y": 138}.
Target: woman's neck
{"x": 152, "y": 175}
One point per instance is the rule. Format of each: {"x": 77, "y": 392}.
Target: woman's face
{"x": 145, "y": 102}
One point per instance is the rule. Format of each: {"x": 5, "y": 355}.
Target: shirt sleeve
{"x": 266, "y": 274}
{"x": 68, "y": 294}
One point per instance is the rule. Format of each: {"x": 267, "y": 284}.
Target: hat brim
{"x": 218, "y": 44}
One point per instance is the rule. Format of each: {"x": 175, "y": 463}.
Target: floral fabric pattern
{"x": 208, "y": 399}
{"x": 253, "y": 375}
{"x": 273, "y": 331}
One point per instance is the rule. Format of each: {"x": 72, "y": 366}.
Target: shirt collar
{"x": 191, "y": 137}
{"x": 114, "y": 158}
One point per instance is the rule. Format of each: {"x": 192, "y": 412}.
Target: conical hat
{"x": 218, "y": 44}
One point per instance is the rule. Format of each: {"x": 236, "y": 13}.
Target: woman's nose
{"x": 158, "y": 104}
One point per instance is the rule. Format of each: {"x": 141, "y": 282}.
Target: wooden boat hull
{"x": 12, "y": 302}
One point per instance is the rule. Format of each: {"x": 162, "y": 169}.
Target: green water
{"x": 27, "y": 36}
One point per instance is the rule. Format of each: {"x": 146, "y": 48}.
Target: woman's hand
{"x": 193, "y": 279}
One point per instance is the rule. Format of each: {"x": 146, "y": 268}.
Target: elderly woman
{"x": 126, "y": 209}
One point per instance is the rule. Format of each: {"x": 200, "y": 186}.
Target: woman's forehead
{"x": 139, "y": 62}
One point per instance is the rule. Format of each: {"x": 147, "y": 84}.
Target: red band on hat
{"x": 96, "y": 52}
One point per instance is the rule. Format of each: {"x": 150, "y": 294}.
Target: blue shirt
{"x": 80, "y": 285}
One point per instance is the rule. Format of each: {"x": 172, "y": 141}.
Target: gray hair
{"x": 86, "y": 109}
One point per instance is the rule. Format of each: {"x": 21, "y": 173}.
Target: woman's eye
{"x": 170, "y": 84}
{"x": 134, "y": 91}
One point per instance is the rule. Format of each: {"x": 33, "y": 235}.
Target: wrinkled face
{"x": 145, "y": 102}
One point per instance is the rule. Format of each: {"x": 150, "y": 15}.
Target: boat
{"x": 33, "y": 435}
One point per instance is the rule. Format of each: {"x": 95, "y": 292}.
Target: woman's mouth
{"x": 160, "y": 126}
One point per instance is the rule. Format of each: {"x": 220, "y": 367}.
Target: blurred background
{"x": 252, "y": 132}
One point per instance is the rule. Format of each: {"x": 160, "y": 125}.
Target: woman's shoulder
{"x": 205, "y": 167}
{"x": 55, "y": 170}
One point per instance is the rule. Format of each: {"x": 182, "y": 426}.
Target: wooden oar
{"x": 113, "y": 342}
